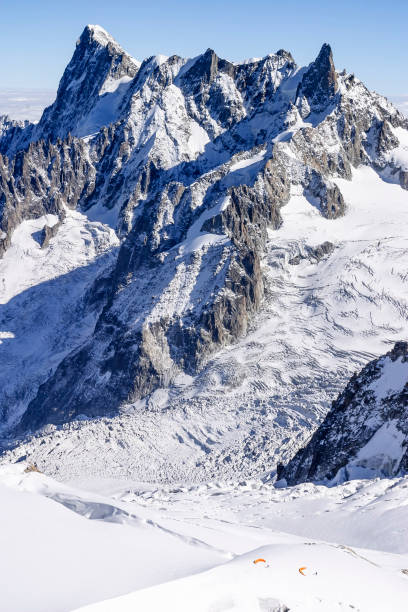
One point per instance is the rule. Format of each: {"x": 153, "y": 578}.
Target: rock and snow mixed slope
{"x": 365, "y": 433}
{"x": 259, "y": 400}
{"x": 196, "y": 256}
{"x": 183, "y": 548}
{"x": 260, "y": 210}
{"x": 44, "y": 308}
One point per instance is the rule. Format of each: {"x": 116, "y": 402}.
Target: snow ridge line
{"x": 101, "y": 511}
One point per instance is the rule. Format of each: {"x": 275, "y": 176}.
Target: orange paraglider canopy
{"x": 260, "y": 561}
{"x": 301, "y": 570}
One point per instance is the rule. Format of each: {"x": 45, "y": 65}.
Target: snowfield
{"x": 42, "y": 295}
{"x": 341, "y": 579}
{"x": 192, "y": 548}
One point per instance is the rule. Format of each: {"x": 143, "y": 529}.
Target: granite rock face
{"x": 44, "y": 179}
{"x": 98, "y": 66}
{"x": 365, "y": 434}
{"x": 190, "y": 161}
{"x": 50, "y": 231}
{"x": 319, "y": 84}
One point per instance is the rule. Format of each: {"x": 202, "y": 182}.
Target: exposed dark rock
{"x": 375, "y": 402}
{"x": 385, "y": 139}
{"x": 48, "y": 232}
{"x": 328, "y": 196}
{"x": 403, "y": 178}
{"x": 41, "y": 181}
{"x": 12, "y": 132}
{"x": 319, "y": 84}
{"x": 314, "y": 254}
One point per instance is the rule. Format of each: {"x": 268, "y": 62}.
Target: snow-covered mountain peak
{"x": 98, "y": 66}
{"x": 255, "y": 60}
{"x": 97, "y": 33}
{"x": 94, "y": 35}
{"x": 283, "y": 53}
{"x": 206, "y": 67}
{"x": 195, "y": 256}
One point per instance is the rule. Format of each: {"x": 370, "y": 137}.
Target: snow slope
{"x": 66, "y": 560}
{"x": 183, "y": 548}
{"x": 345, "y": 580}
{"x": 42, "y": 294}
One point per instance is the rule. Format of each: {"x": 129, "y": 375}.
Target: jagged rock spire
{"x": 319, "y": 83}
{"x": 207, "y": 66}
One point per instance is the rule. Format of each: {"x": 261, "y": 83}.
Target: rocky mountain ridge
{"x": 365, "y": 434}
{"x": 191, "y": 162}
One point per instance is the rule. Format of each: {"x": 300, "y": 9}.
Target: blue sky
{"x": 369, "y": 38}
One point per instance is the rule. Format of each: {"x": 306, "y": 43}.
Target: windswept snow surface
{"x": 67, "y": 559}
{"x": 192, "y": 548}
{"x": 106, "y": 108}
{"x": 389, "y": 382}
{"x": 338, "y": 579}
